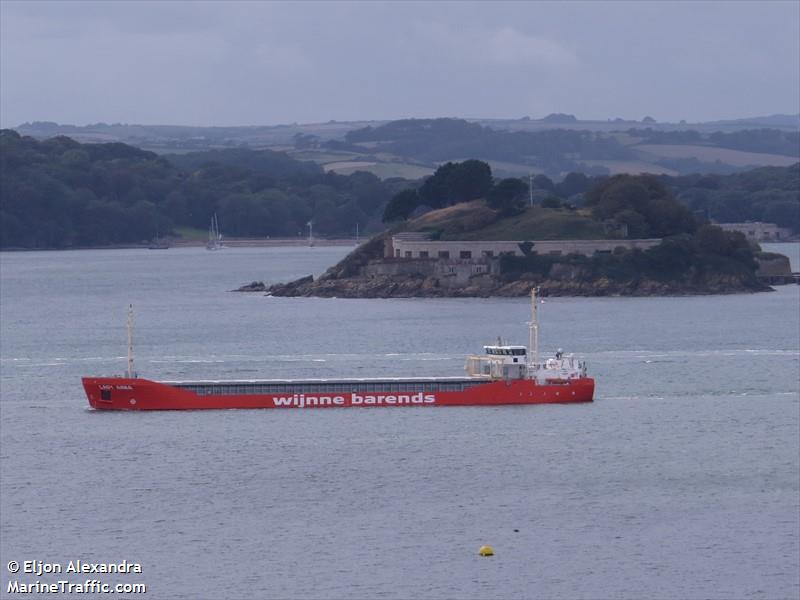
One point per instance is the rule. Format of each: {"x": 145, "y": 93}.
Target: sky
{"x": 268, "y": 63}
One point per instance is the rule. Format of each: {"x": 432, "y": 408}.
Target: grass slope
{"x": 476, "y": 221}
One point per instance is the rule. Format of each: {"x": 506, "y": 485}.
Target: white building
{"x": 418, "y": 246}
{"x": 758, "y": 231}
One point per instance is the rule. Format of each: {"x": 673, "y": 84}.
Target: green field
{"x": 324, "y": 157}
{"x": 727, "y": 156}
{"x": 384, "y": 170}
{"x": 192, "y": 234}
{"x": 541, "y": 224}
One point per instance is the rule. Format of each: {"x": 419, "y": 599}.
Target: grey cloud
{"x": 270, "y": 62}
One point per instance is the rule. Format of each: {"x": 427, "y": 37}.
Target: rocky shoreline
{"x": 356, "y": 276}
{"x": 421, "y": 287}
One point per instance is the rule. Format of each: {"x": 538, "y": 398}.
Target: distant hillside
{"x": 173, "y": 137}
{"x": 555, "y": 144}
{"x": 754, "y": 141}
{"x": 558, "y": 151}
{"x": 58, "y": 193}
{"x": 437, "y": 140}
{"x": 771, "y": 121}
{"x": 180, "y": 138}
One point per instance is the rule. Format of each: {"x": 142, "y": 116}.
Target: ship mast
{"x": 533, "y": 326}
{"x": 130, "y": 373}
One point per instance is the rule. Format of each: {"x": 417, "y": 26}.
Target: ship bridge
{"x": 499, "y": 362}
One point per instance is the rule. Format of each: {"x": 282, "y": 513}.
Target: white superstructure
{"x": 503, "y": 361}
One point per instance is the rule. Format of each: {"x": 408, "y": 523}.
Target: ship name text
{"x": 305, "y": 401}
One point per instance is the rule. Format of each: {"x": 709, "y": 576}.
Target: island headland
{"x": 630, "y": 237}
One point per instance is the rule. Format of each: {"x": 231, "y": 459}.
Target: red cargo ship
{"x": 503, "y": 374}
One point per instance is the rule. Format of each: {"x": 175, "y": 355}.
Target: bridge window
{"x": 423, "y": 254}
{"x": 444, "y": 254}
{"x": 465, "y": 254}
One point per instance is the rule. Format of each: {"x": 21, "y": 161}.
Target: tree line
{"x": 58, "y": 193}
{"x": 770, "y": 194}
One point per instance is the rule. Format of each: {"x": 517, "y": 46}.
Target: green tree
{"x": 435, "y": 190}
{"x": 634, "y": 222}
{"x": 574, "y": 183}
{"x": 456, "y": 182}
{"x": 472, "y": 180}
{"x": 710, "y": 239}
{"x": 508, "y": 196}
{"x": 643, "y": 203}
{"x": 670, "y": 259}
{"x": 401, "y": 206}
{"x": 244, "y": 215}
{"x": 667, "y": 217}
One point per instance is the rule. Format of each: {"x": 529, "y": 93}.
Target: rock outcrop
{"x": 359, "y": 275}
{"x": 368, "y": 273}
{"x": 409, "y": 286}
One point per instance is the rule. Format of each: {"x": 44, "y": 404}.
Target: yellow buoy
{"x": 486, "y": 551}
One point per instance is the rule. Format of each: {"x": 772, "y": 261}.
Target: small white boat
{"x": 214, "y": 235}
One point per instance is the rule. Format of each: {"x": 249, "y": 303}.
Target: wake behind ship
{"x": 504, "y": 374}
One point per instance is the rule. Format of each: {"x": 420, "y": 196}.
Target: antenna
{"x": 130, "y": 373}
{"x": 530, "y": 187}
{"x": 533, "y": 326}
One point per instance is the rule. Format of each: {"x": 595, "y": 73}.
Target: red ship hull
{"x": 117, "y": 393}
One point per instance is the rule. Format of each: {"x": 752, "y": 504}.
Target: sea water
{"x": 680, "y": 481}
